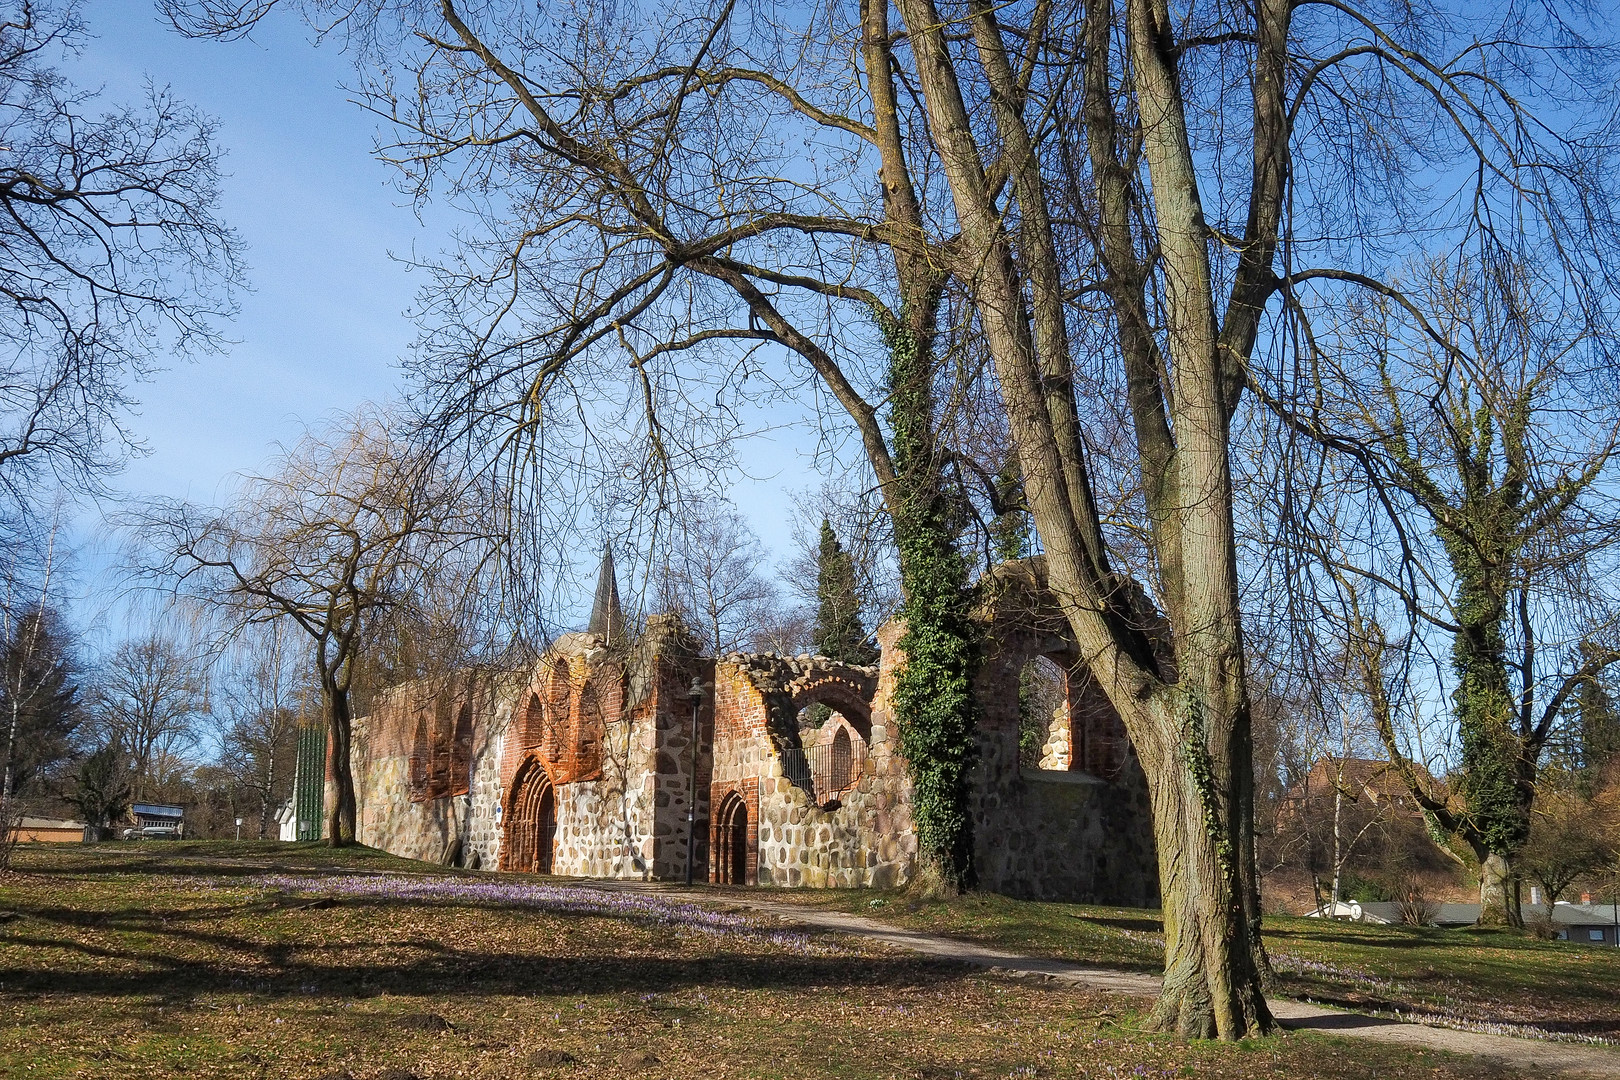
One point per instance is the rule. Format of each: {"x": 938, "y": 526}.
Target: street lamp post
{"x": 695, "y": 696}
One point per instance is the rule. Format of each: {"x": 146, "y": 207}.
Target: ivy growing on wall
{"x": 934, "y": 687}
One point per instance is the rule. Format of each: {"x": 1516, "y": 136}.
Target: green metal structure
{"x": 309, "y": 782}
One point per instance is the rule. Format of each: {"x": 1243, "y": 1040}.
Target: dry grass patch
{"x": 196, "y": 963}
{"x": 1489, "y": 980}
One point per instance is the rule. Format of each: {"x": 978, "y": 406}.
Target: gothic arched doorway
{"x": 731, "y": 842}
{"x": 531, "y": 823}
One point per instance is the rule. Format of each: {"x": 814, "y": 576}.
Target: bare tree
{"x": 259, "y": 703}
{"x": 150, "y": 698}
{"x": 1040, "y": 173}
{"x": 111, "y": 254}
{"x": 1570, "y": 838}
{"x": 340, "y": 532}
{"x": 1473, "y": 522}
{"x": 712, "y": 580}
{"x": 39, "y": 705}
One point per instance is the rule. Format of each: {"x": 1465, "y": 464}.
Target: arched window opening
{"x": 532, "y": 723}
{"x": 461, "y": 751}
{"x": 1044, "y": 737}
{"x": 840, "y": 768}
{"x": 731, "y": 841}
{"x": 591, "y": 727}
{"x": 1101, "y": 746}
{"x": 441, "y": 752}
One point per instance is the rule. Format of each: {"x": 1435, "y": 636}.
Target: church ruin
{"x": 637, "y": 757}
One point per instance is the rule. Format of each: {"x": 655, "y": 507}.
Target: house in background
{"x": 1585, "y": 922}
{"x": 37, "y": 830}
{"x": 146, "y": 816}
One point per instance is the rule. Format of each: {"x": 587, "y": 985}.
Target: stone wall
{"x": 806, "y": 747}
{"x": 804, "y": 833}
{"x": 393, "y": 817}
{"x": 1078, "y": 825}
{"x": 619, "y": 756}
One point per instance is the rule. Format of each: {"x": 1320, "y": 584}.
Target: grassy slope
{"x": 1486, "y": 976}
{"x": 180, "y": 959}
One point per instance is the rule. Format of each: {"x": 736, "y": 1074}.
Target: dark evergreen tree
{"x": 102, "y": 791}
{"x": 1597, "y": 725}
{"x": 39, "y": 700}
{"x": 838, "y": 632}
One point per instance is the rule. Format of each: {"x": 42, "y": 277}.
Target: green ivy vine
{"x": 934, "y": 687}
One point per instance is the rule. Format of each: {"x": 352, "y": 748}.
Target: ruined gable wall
{"x": 1080, "y": 826}
{"x": 1055, "y": 834}
{"x": 612, "y": 732}
{"x": 798, "y": 838}
{"x": 385, "y": 743}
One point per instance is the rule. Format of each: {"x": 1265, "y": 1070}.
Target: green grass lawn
{"x": 227, "y": 960}
{"x": 1478, "y": 976}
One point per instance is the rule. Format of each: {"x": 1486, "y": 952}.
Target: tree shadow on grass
{"x": 1143, "y": 925}
{"x": 443, "y": 969}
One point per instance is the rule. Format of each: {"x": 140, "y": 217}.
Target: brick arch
{"x": 735, "y": 829}
{"x": 531, "y": 721}
{"x": 440, "y": 764}
{"x": 588, "y": 729}
{"x": 529, "y": 819}
{"x": 842, "y": 696}
{"x": 559, "y": 693}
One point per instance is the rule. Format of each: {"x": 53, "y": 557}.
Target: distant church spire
{"x": 607, "y": 618}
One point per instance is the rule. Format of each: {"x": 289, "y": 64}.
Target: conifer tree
{"x": 102, "y": 791}
{"x": 1597, "y": 724}
{"x": 39, "y": 701}
{"x": 838, "y": 633}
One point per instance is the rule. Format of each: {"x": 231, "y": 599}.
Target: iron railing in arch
{"x": 826, "y": 771}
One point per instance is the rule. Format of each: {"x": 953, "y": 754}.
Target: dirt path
{"x": 1516, "y": 1056}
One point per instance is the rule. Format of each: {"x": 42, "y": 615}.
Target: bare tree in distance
{"x": 1116, "y": 206}
{"x": 341, "y": 531}
{"x": 150, "y": 697}
{"x": 36, "y": 674}
{"x": 712, "y": 578}
{"x": 112, "y": 256}
{"x": 262, "y": 691}
{"x": 1469, "y": 526}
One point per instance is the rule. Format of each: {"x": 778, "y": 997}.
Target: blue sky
{"x": 324, "y": 325}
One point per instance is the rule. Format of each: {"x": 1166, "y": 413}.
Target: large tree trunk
{"x": 340, "y": 820}
{"x": 1190, "y": 727}
{"x": 1212, "y": 980}
{"x": 1498, "y": 891}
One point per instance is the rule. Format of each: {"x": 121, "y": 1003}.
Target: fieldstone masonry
{"x": 584, "y": 766}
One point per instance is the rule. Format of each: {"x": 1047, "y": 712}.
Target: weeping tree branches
{"x": 348, "y": 528}
{"x": 1103, "y": 194}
